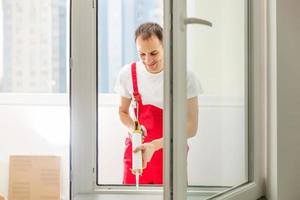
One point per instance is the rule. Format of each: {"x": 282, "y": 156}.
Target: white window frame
{"x": 175, "y": 188}
{"x": 84, "y": 107}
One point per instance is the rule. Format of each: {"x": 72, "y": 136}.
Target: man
{"x": 142, "y": 82}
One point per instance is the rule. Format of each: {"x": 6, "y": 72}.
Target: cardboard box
{"x": 34, "y": 178}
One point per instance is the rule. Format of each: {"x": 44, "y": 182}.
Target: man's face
{"x": 151, "y": 53}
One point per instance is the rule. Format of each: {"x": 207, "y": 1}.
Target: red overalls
{"x": 152, "y": 118}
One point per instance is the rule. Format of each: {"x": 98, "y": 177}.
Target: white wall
{"x": 287, "y": 45}
{"x": 283, "y": 179}
{"x": 28, "y": 129}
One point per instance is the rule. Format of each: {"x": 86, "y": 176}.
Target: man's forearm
{"x": 126, "y": 120}
{"x": 159, "y": 143}
{"x": 191, "y": 129}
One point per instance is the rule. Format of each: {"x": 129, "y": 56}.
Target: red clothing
{"x": 152, "y": 118}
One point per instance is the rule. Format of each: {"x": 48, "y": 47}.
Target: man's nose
{"x": 148, "y": 59}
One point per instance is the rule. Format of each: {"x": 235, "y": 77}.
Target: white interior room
{"x": 246, "y": 140}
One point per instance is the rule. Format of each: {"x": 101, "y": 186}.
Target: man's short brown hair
{"x": 149, "y": 29}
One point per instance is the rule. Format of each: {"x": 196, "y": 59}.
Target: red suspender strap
{"x": 136, "y": 93}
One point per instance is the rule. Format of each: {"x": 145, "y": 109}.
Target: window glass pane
{"x": 117, "y": 22}
{"x": 217, "y": 56}
{"x": 35, "y": 127}
{"x": 33, "y": 46}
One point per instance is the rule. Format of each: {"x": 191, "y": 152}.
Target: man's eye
{"x": 142, "y": 54}
{"x": 153, "y": 54}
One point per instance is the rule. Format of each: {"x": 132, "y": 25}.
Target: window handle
{"x": 193, "y": 20}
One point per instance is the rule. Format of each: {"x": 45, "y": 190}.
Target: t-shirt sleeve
{"x": 122, "y": 83}
{"x": 194, "y": 87}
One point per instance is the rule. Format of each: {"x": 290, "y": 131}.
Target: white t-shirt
{"x": 150, "y": 85}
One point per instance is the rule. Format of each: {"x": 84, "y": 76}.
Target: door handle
{"x": 197, "y": 21}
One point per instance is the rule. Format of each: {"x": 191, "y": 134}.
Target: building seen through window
{"x": 34, "y": 46}
{"x": 34, "y": 58}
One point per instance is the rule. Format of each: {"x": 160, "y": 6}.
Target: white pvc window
{"x": 225, "y": 90}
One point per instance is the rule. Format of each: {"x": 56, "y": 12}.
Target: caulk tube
{"x": 136, "y": 139}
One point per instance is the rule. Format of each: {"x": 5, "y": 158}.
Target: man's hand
{"x": 148, "y": 150}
